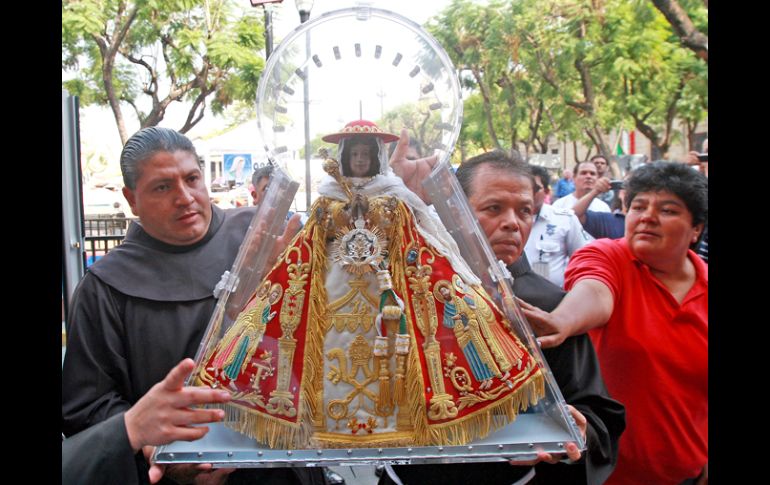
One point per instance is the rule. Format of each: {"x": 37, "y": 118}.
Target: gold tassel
{"x": 385, "y": 400}
{"x": 399, "y": 393}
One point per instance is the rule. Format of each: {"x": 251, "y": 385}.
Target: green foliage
{"x": 155, "y": 52}
{"x": 524, "y": 57}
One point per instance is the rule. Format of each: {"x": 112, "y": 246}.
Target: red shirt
{"x": 653, "y": 353}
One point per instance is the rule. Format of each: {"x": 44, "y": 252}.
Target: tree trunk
{"x": 108, "y": 49}
{"x": 109, "y": 88}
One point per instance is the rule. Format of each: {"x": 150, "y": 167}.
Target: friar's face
{"x": 170, "y": 198}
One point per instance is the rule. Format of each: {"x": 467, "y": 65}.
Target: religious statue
{"x": 370, "y": 328}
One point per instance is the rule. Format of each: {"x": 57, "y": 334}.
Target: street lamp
{"x": 304, "y": 7}
{"x": 268, "y": 23}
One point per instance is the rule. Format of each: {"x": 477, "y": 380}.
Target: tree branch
{"x": 684, "y": 28}
{"x": 152, "y": 87}
{"x": 108, "y": 52}
{"x": 200, "y": 100}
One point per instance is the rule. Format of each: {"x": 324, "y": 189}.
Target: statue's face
{"x": 360, "y": 160}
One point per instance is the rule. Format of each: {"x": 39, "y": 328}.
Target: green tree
{"x": 655, "y": 79}
{"x": 156, "y": 52}
{"x": 571, "y": 70}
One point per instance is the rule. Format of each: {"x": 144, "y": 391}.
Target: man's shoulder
{"x": 240, "y": 214}
{"x": 564, "y": 202}
{"x": 537, "y": 290}
{"x": 556, "y": 213}
{"x": 599, "y": 205}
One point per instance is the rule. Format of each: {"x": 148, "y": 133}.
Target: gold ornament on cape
{"x": 359, "y": 250}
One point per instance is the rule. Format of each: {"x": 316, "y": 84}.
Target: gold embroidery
{"x": 233, "y": 354}
{"x": 459, "y": 317}
{"x": 281, "y": 400}
{"x": 265, "y": 369}
{"x": 471, "y": 399}
{"x": 360, "y": 354}
{"x": 441, "y": 404}
{"x": 361, "y": 315}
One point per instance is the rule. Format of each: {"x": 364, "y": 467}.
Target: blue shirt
{"x": 564, "y": 187}
{"x": 605, "y": 224}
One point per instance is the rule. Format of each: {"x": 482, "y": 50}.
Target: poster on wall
{"x": 237, "y": 168}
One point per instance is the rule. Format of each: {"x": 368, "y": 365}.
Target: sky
{"x": 99, "y": 137}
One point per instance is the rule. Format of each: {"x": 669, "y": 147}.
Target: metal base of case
{"x": 222, "y": 447}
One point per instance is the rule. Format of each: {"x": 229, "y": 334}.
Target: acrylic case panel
{"x": 255, "y": 256}
{"x": 365, "y": 63}
{"x": 452, "y": 206}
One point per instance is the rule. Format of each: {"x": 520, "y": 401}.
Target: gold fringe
{"x": 311, "y": 388}
{"x": 389, "y": 439}
{"x": 413, "y": 384}
{"x": 417, "y": 407}
{"x": 494, "y": 417}
{"x": 261, "y": 427}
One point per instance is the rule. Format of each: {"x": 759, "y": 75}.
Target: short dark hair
{"x": 144, "y": 144}
{"x": 374, "y": 150}
{"x": 496, "y": 159}
{"x": 542, "y": 172}
{"x": 599, "y": 155}
{"x": 677, "y": 178}
{"x": 578, "y": 164}
{"x": 260, "y": 173}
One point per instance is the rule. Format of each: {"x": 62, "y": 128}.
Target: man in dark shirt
{"x": 500, "y": 192}
{"x": 145, "y": 306}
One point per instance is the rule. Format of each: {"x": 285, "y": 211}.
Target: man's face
{"x": 171, "y": 199}
{"x": 259, "y": 191}
{"x": 601, "y": 166}
{"x": 360, "y": 159}
{"x": 585, "y": 178}
{"x": 505, "y": 207}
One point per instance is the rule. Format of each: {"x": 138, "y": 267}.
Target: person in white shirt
{"x": 586, "y": 176}
{"x": 556, "y": 234}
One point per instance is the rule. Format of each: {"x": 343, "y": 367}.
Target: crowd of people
{"x": 622, "y": 317}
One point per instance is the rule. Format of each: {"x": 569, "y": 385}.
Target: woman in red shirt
{"x": 644, "y": 301}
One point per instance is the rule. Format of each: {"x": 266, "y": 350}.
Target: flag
{"x": 622, "y": 146}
